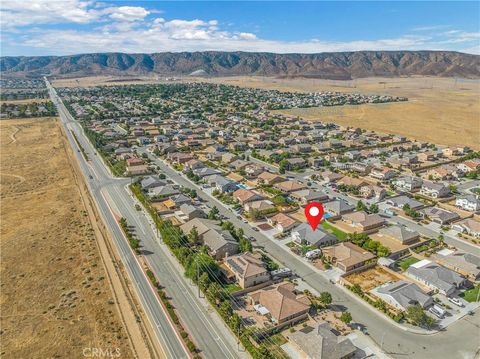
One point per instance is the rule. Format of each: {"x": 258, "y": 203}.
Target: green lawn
{"x": 232, "y": 288}
{"x": 471, "y": 295}
{"x": 407, "y": 262}
{"x": 341, "y": 236}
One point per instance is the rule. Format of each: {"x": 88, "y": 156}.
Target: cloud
{"x": 17, "y": 13}
{"x": 128, "y": 13}
{"x": 20, "y": 13}
{"x": 137, "y": 29}
{"x": 430, "y": 28}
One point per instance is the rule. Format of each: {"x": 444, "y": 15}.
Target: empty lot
{"x": 55, "y": 297}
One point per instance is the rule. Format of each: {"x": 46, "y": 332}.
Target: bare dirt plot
{"x": 55, "y": 297}
{"x": 371, "y": 278}
{"x": 439, "y": 110}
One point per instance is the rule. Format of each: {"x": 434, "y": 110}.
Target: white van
{"x": 437, "y": 310}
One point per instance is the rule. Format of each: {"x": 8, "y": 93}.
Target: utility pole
{"x": 198, "y": 284}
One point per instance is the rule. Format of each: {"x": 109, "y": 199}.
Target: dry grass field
{"x": 104, "y": 81}
{"x": 25, "y": 101}
{"x": 55, "y": 297}
{"x": 439, "y": 110}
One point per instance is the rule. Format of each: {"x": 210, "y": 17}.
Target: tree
{"x": 213, "y": 213}
{"x": 225, "y": 309}
{"x": 361, "y": 206}
{"x": 235, "y": 322}
{"x": 326, "y": 298}
{"x": 239, "y": 233}
{"x": 346, "y": 317}
{"x": 193, "y": 236}
{"x": 214, "y": 292}
{"x": 356, "y": 289}
{"x": 245, "y": 245}
{"x": 203, "y": 281}
{"x": 373, "y": 208}
{"x": 200, "y": 263}
{"x": 283, "y": 165}
{"x": 417, "y": 316}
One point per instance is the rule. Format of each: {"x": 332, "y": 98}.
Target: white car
{"x": 456, "y": 301}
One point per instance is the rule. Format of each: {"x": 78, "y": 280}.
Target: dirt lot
{"x": 439, "y": 110}
{"x": 55, "y": 296}
{"x": 371, "y": 278}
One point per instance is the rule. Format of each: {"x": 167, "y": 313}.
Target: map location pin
{"x": 314, "y": 213}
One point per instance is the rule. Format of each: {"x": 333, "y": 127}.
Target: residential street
{"x": 396, "y": 341}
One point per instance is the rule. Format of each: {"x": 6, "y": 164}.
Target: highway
{"x": 113, "y": 200}
{"x": 460, "y": 340}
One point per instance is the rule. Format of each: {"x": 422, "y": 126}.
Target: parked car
{"x": 256, "y": 229}
{"x": 252, "y": 239}
{"x": 456, "y": 301}
{"x": 437, "y": 311}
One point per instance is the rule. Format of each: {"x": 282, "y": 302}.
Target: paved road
{"x": 207, "y": 329}
{"x": 460, "y": 340}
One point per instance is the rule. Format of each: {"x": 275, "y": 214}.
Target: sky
{"x": 65, "y": 27}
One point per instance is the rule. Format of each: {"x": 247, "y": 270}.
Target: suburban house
{"x": 435, "y": 276}
{"x": 163, "y": 191}
{"x": 363, "y": 222}
{"x": 269, "y": 178}
{"x": 305, "y": 196}
{"x": 468, "y": 202}
{"x": 205, "y": 171}
{"x": 330, "y": 176}
{"x": 253, "y": 169}
{"x": 321, "y": 342}
{"x": 352, "y": 182}
{"x": 151, "y": 182}
{"x": 408, "y": 183}
{"x": 289, "y": 186}
{"x": 221, "y": 184}
{"x": 282, "y": 222}
{"x": 468, "y": 226}
{"x": 434, "y": 190}
{"x": 280, "y": 303}
{"x": 401, "y": 295}
{"x": 262, "y": 206}
{"x": 249, "y": 270}
{"x": 338, "y": 207}
{"x": 383, "y": 174}
{"x": 220, "y": 243}
{"x": 347, "y": 256}
{"x": 466, "y": 264}
{"x": 400, "y": 233}
{"x": 304, "y": 234}
{"x": 469, "y": 165}
{"x": 402, "y": 200}
{"x": 439, "y": 215}
{"x": 243, "y": 196}
{"x": 191, "y": 212}
{"x": 369, "y": 191}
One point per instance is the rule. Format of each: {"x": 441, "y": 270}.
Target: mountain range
{"x": 335, "y": 65}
